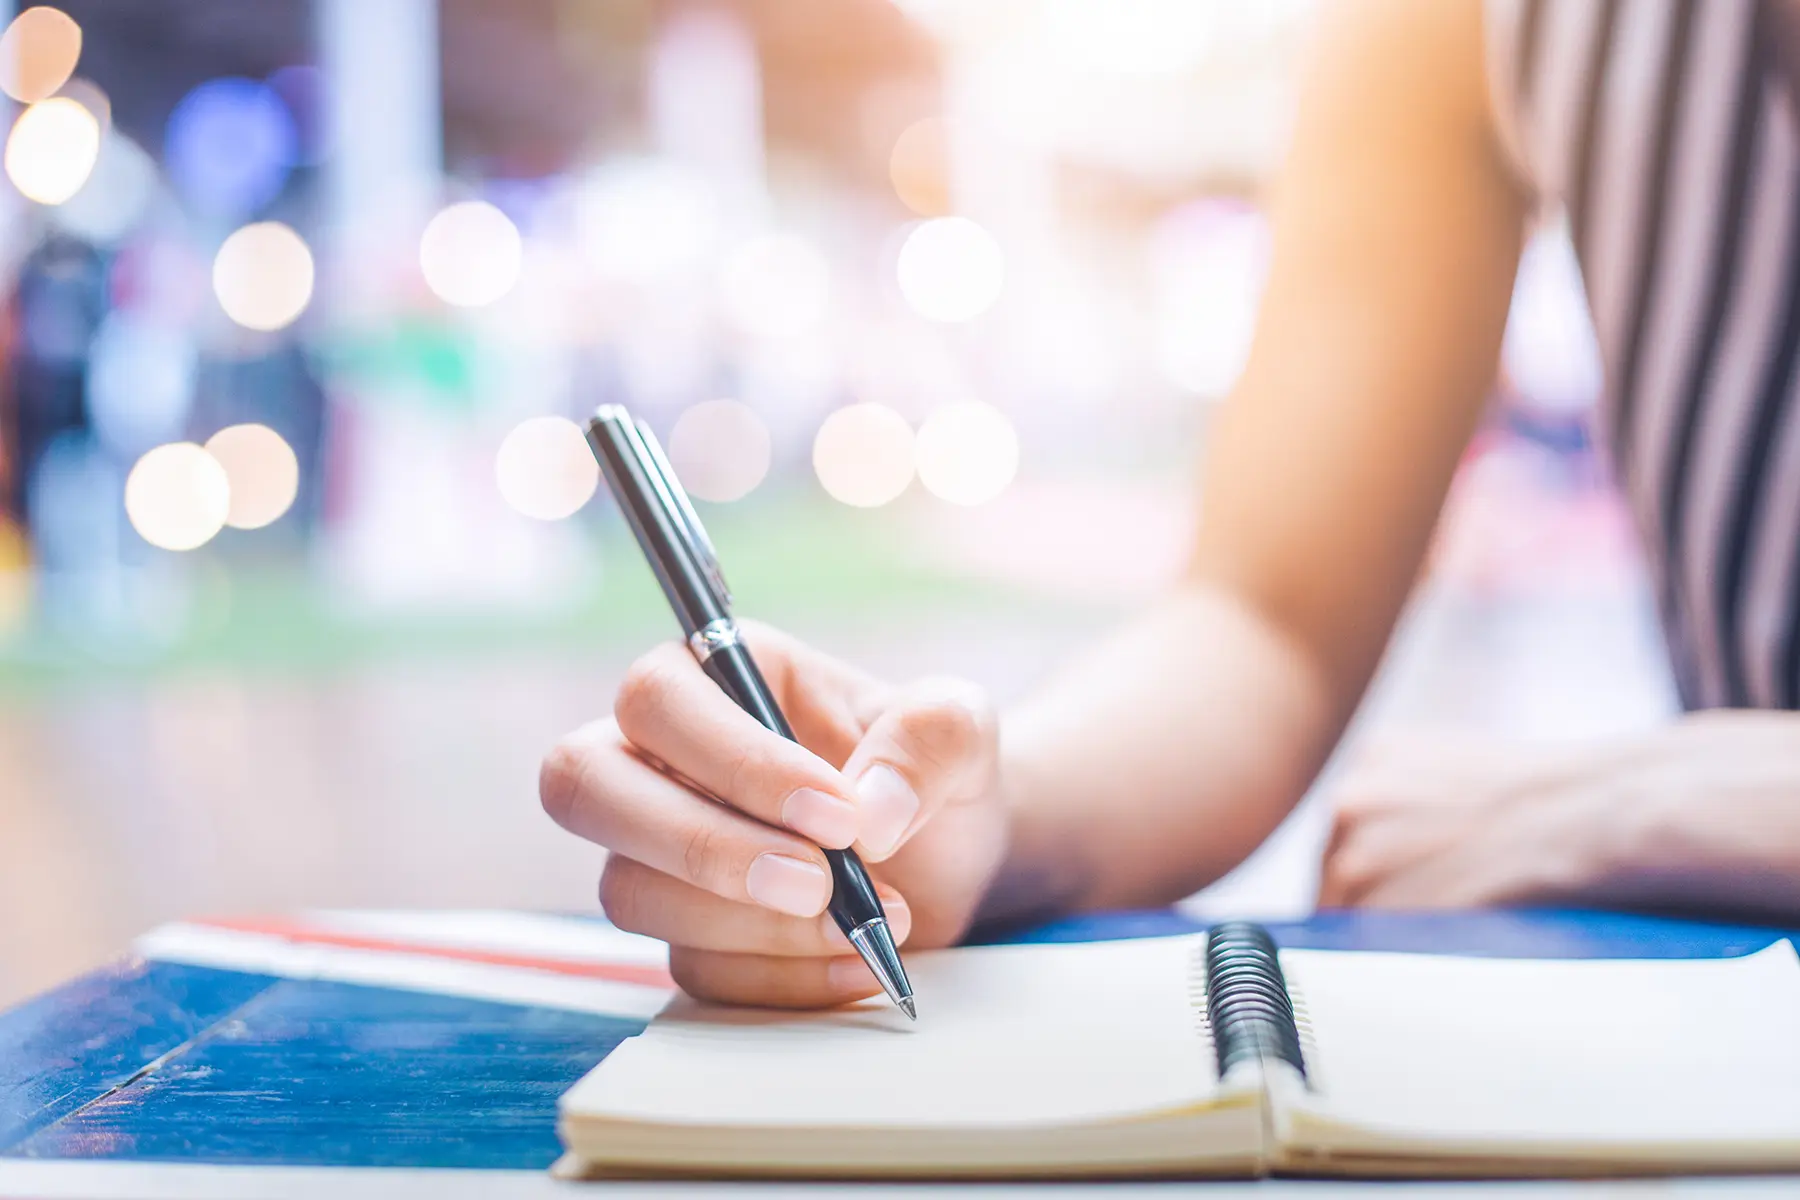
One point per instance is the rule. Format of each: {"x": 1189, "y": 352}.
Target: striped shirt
{"x": 1666, "y": 131}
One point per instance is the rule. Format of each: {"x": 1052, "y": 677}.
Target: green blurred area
{"x": 790, "y": 559}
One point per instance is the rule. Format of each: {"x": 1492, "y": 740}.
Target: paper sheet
{"x": 1013, "y": 1035}
{"x": 1549, "y": 1053}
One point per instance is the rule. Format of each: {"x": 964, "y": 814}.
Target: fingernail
{"x": 820, "y": 816}
{"x": 850, "y": 975}
{"x": 788, "y": 885}
{"x": 889, "y": 805}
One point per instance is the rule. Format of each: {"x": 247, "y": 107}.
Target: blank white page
{"x": 1006, "y": 1036}
{"x": 1552, "y": 1055}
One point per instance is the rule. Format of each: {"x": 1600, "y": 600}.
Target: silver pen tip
{"x": 875, "y": 943}
{"x": 909, "y": 1008}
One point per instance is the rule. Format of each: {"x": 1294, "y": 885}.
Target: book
{"x": 1219, "y": 1055}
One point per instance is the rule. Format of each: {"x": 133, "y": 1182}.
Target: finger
{"x": 669, "y": 709}
{"x": 1335, "y": 886}
{"x": 828, "y": 702}
{"x": 935, "y": 743}
{"x": 640, "y": 900}
{"x": 768, "y": 981}
{"x": 596, "y": 787}
{"x": 1378, "y": 859}
{"x": 1333, "y": 883}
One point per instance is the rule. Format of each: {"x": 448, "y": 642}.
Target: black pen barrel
{"x": 853, "y": 898}
{"x": 671, "y": 557}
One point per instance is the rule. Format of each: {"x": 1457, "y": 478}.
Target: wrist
{"x": 1037, "y": 877}
{"x": 1713, "y": 823}
{"x": 1590, "y": 818}
{"x": 1694, "y": 814}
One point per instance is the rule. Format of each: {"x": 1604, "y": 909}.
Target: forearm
{"x": 1159, "y": 759}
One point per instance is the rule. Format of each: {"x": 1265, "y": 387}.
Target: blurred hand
{"x": 1440, "y": 824}
{"x": 1697, "y": 815}
{"x": 715, "y": 823}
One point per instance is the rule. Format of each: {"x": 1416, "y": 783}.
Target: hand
{"x": 715, "y": 823}
{"x": 1447, "y": 824}
{"x": 1699, "y": 815}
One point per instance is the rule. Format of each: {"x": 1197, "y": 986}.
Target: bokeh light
{"x": 919, "y": 167}
{"x": 114, "y": 198}
{"x": 1131, "y": 37}
{"x": 967, "y": 452}
{"x": 545, "y": 469}
{"x": 950, "y": 269}
{"x": 720, "y": 450}
{"x": 863, "y": 455}
{"x": 1207, "y": 260}
{"x": 263, "y": 276}
{"x": 92, "y": 97}
{"x": 163, "y": 273}
{"x": 52, "y": 150}
{"x": 38, "y": 53}
{"x": 140, "y": 384}
{"x": 301, "y": 87}
{"x": 230, "y": 146}
{"x": 15, "y": 578}
{"x": 262, "y": 470}
{"x": 471, "y": 254}
{"x": 177, "y": 496}
{"x": 644, "y": 220}
{"x": 778, "y": 285}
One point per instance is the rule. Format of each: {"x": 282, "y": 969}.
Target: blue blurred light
{"x": 140, "y": 383}
{"x": 302, "y": 88}
{"x": 75, "y": 498}
{"x": 229, "y": 147}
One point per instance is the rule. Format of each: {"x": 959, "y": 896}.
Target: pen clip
{"x": 681, "y": 510}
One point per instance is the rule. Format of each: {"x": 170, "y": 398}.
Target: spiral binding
{"x": 1248, "y": 1011}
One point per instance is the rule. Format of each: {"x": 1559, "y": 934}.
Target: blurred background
{"x": 301, "y": 562}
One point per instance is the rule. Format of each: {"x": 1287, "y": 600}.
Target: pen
{"x": 669, "y": 532}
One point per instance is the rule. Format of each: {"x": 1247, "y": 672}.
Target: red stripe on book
{"x": 291, "y": 931}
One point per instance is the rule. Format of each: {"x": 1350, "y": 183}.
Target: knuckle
{"x": 689, "y": 975}
{"x": 643, "y": 693}
{"x": 741, "y": 769}
{"x": 696, "y": 973}
{"x": 1350, "y": 868}
{"x": 619, "y": 895}
{"x": 702, "y": 856}
{"x": 735, "y": 978}
{"x": 562, "y": 778}
{"x": 950, "y": 722}
{"x": 751, "y": 774}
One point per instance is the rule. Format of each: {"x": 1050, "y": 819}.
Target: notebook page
{"x": 1423, "y": 1049}
{"x": 1006, "y": 1036}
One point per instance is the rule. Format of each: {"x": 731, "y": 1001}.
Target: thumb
{"x": 933, "y": 743}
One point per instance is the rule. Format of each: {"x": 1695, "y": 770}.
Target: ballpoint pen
{"x": 669, "y": 532}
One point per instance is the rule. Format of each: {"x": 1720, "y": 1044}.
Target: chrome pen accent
{"x": 713, "y": 637}
{"x": 874, "y": 941}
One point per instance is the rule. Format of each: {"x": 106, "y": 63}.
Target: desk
{"x": 422, "y": 1053}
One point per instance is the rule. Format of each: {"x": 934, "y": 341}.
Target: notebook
{"x": 1219, "y": 1055}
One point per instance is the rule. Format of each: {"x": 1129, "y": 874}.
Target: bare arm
{"x": 1161, "y": 758}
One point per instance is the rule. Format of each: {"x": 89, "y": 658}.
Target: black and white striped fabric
{"x": 1666, "y": 130}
